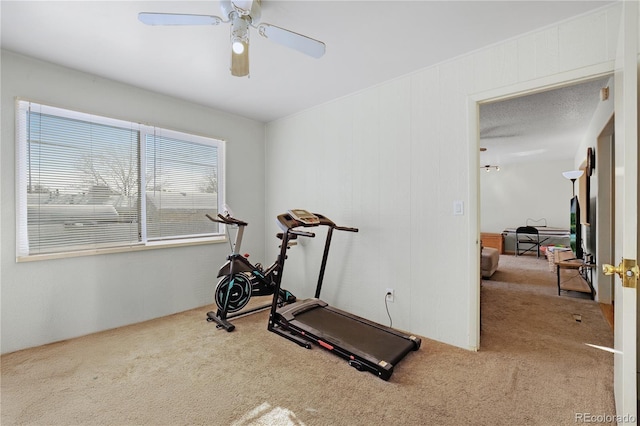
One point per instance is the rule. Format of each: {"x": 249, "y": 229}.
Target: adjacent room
{"x": 530, "y": 146}
{"x": 163, "y": 162}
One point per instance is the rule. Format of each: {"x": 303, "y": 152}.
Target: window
{"x": 87, "y": 183}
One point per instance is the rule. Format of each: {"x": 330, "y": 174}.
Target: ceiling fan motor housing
{"x": 241, "y": 7}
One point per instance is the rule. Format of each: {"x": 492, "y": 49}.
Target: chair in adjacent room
{"x": 527, "y": 240}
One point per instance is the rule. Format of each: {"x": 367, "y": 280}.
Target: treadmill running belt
{"x": 348, "y": 332}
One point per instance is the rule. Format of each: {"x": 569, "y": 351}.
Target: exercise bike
{"x": 241, "y": 280}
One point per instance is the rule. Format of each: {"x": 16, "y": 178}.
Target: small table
{"x": 585, "y": 269}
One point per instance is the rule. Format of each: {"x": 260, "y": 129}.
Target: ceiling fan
{"x": 242, "y": 14}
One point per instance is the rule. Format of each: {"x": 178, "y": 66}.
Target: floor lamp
{"x": 572, "y": 175}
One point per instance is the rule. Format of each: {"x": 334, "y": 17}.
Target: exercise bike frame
{"x": 262, "y": 282}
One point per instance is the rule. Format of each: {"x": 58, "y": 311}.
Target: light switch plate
{"x": 458, "y": 207}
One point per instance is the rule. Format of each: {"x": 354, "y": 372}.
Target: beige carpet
{"x": 533, "y": 274}
{"x": 534, "y": 368}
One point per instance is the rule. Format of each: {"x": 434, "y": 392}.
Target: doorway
{"x": 528, "y": 136}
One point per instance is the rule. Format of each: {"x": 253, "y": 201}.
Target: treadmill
{"x": 366, "y": 345}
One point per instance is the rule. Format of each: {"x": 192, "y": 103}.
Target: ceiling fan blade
{"x": 296, "y": 41}
{"x": 177, "y": 19}
{"x": 240, "y": 61}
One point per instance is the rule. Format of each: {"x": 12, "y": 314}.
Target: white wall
{"x": 522, "y": 191}
{"x": 52, "y": 300}
{"x": 392, "y": 159}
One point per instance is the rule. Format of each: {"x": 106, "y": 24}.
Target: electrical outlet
{"x": 389, "y": 295}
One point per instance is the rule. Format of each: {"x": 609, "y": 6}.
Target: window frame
{"x": 144, "y": 243}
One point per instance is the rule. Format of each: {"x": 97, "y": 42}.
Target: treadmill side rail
{"x": 416, "y": 340}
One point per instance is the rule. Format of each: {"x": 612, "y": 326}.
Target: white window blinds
{"x": 80, "y": 185}
{"x": 182, "y": 184}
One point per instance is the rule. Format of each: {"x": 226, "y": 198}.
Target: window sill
{"x": 128, "y": 249}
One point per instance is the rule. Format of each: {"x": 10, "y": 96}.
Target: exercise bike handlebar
{"x": 227, "y": 220}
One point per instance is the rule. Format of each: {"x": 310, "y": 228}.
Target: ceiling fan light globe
{"x": 238, "y": 47}
{"x": 240, "y": 61}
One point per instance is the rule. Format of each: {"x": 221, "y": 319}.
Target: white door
{"x": 626, "y": 214}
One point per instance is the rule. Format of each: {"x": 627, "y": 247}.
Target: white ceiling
{"x": 368, "y": 42}
{"x": 538, "y": 127}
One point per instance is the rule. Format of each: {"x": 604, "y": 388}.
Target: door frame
{"x": 473, "y": 108}
{"x": 605, "y": 210}
{"x": 625, "y": 70}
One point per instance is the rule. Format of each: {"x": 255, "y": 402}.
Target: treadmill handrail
{"x": 345, "y": 228}
{"x": 287, "y": 222}
{"x": 302, "y": 233}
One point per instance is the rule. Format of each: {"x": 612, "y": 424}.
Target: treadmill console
{"x": 304, "y": 216}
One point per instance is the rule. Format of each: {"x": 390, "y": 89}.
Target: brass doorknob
{"x": 627, "y": 270}
{"x": 610, "y": 269}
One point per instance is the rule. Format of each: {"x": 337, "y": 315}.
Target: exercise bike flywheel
{"x": 236, "y": 297}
